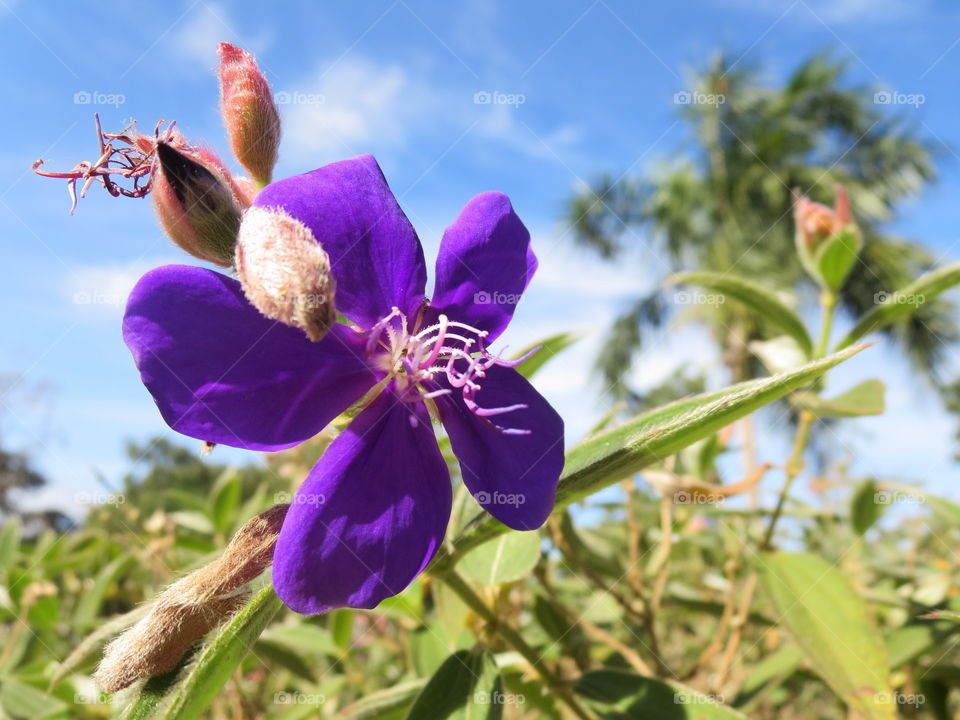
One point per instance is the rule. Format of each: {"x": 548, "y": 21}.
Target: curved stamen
{"x": 453, "y": 348}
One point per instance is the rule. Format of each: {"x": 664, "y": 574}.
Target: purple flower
{"x": 374, "y": 509}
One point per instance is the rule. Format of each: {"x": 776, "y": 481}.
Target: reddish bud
{"x": 816, "y": 222}
{"x": 285, "y": 272}
{"x": 249, "y": 113}
{"x": 198, "y": 202}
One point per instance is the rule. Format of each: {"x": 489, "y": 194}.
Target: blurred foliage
{"x": 725, "y": 205}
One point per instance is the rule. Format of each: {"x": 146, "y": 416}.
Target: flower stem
{"x": 828, "y": 303}
{"x": 516, "y": 641}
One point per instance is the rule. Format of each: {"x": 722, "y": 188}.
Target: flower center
{"x": 414, "y": 357}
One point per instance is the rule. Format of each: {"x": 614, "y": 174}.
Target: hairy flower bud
{"x": 198, "y": 203}
{"x": 191, "y": 607}
{"x": 816, "y": 222}
{"x": 249, "y": 113}
{"x": 285, "y": 272}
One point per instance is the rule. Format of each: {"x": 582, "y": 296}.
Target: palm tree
{"x": 726, "y": 206}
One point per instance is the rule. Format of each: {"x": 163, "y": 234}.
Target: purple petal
{"x": 370, "y": 515}
{"x": 514, "y": 477}
{"x": 484, "y": 264}
{"x": 374, "y": 252}
{"x": 222, "y": 372}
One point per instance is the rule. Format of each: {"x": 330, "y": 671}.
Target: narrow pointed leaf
{"x": 902, "y": 303}
{"x": 759, "y": 299}
{"x": 550, "y": 347}
{"x": 616, "y": 454}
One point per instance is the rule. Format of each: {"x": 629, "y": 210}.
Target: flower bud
{"x": 249, "y": 113}
{"x": 198, "y": 203}
{"x": 285, "y": 272}
{"x": 816, "y": 222}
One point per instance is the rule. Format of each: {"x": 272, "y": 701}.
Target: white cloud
{"x": 204, "y": 28}
{"x": 836, "y": 11}
{"x": 103, "y": 289}
{"x": 357, "y": 105}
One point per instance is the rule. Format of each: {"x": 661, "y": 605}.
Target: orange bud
{"x": 249, "y": 113}
{"x": 816, "y": 222}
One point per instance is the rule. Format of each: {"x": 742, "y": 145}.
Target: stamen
{"x": 452, "y": 348}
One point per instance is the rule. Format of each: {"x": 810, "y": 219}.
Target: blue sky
{"x": 578, "y": 87}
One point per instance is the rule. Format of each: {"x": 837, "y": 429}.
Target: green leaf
{"x": 226, "y": 498}
{"x": 428, "y": 650}
{"x": 508, "y": 558}
{"x": 189, "y": 696}
{"x": 836, "y": 256}
{"x": 615, "y": 454}
{"x": 88, "y": 607}
{"x": 943, "y": 615}
{"x": 864, "y": 508}
{"x": 388, "y": 704}
{"x": 866, "y": 398}
{"x": 759, "y": 299}
{"x": 9, "y": 544}
{"x": 549, "y": 348}
{"x": 902, "y": 303}
{"x": 618, "y": 694}
{"x": 828, "y": 620}
{"x": 25, "y": 702}
{"x": 467, "y": 686}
